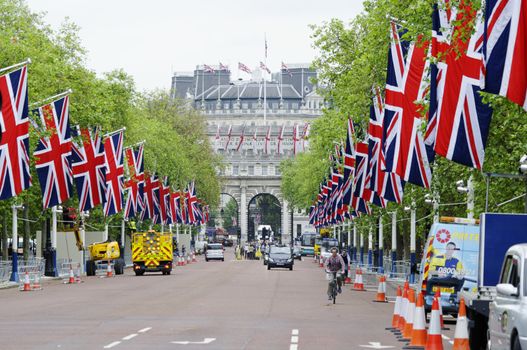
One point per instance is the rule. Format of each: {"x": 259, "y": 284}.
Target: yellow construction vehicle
{"x": 104, "y": 251}
{"x": 323, "y": 233}
{"x": 152, "y": 252}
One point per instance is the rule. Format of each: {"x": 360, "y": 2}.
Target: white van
{"x": 214, "y": 251}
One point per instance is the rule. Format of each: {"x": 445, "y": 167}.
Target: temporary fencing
{"x": 70, "y": 272}
{"x": 30, "y": 273}
{"x": 5, "y": 270}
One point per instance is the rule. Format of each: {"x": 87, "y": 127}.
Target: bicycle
{"x": 332, "y": 278}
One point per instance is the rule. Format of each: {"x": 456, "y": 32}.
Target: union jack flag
{"x": 361, "y": 170}
{"x": 349, "y": 164}
{"x": 459, "y": 122}
{"x": 134, "y": 185}
{"x": 150, "y": 200}
{"x": 228, "y": 138}
{"x": 404, "y": 148}
{"x": 280, "y": 138}
{"x": 506, "y": 49}
{"x": 284, "y": 67}
{"x": 175, "y": 207}
{"x": 242, "y": 138}
{"x": 14, "y": 142}
{"x": 164, "y": 202}
{"x": 53, "y": 154}
{"x": 89, "y": 169}
{"x": 208, "y": 69}
{"x": 267, "y": 139}
{"x": 387, "y": 185}
{"x": 113, "y": 149}
{"x": 264, "y": 67}
{"x": 192, "y": 204}
{"x": 244, "y": 68}
{"x": 224, "y": 67}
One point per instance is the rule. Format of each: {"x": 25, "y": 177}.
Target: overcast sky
{"x": 152, "y": 39}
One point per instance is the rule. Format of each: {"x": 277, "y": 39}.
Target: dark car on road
{"x": 280, "y": 256}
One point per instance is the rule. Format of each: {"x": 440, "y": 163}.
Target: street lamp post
{"x": 381, "y": 246}
{"x": 394, "y": 240}
{"x": 412, "y": 236}
{"x": 370, "y": 248}
{"x": 469, "y": 190}
{"x": 14, "y": 272}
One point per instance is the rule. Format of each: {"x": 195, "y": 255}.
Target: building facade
{"x": 254, "y": 125}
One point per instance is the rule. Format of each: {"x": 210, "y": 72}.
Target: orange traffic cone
{"x": 320, "y": 261}
{"x": 396, "y": 309}
{"x": 72, "y": 277}
{"x": 348, "y": 277}
{"x": 36, "y": 283}
{"x": 404, "y": 306}
{"x": 27, "y": 285}
{"x": 461, "y": 333}
{"x": 188, "y": 259}
{"x": 194, "y": 257}
{"x": 381, "y": 291}
{"x": 409, "y": 317}
{"x": 359, "y": 285}
{"x": 419, "y": 328}
{"x": 434, "y": 340}
{"x": 438, "y": 296}
{"x": 109, "y": 272}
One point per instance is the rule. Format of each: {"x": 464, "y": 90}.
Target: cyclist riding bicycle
{"x": 335, "y": 264}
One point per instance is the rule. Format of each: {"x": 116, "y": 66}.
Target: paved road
{"x": 239, "y": 304}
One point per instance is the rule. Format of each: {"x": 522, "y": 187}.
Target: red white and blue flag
{"x": 458, "y": 123}
{"x": 53, "y": 154}
{"x": 264, "y": 67}
{"x": 164, "y": 202}
{"x": 192, "y": 204}
{"x": 280, "y": 139}
{"x": 208, "y": 69}
{"x": 506, "y": 49}
{"x": 89, "y": 169}
{"x": 244, "y": 68}
{"x": 113, "y": 150}
{"x": 150, "y": 198}
{"x": 404, "y": 148}
{"x": 175, "y": 208}
{"x": 14, "y": 143}
{"x": 361, "y": 172}
{"x": 134, "y": 185}
{"x": 387, "y": 185}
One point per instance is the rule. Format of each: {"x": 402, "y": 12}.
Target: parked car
{"x": 228, "y": 243}
{"x": 214, "y": 251}
{"x": 297, "y": 252}
{"x": 280, "y": 256}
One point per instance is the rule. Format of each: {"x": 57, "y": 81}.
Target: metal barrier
{"x": 5, "y": 270}
{"x": 68, "y": 267}
{"x": 30, "y": 273}
{"x": 102, "y": 268}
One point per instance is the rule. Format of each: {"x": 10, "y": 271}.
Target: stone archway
{"x": 264, "y": 209}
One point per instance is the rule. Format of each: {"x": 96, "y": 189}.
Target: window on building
{"x": 275, "y": 105}
{"x": 226, "y": 106}
{"x": 294, "y": 105}
{"x": 277, "y": 170}
{"x": 235, "y": 170}
{"x": 251, "y": 169}
{"x": 264, "y": 170}
{"x": 245, "y": 106}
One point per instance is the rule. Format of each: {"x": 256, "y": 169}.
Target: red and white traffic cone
{"x": 359, "y": 285}
{"x": 320, "y": 261}
{"x": 348, "y": 277}
{"x": 461, "y": 333}
{"x": 109, "y": 271}
{"x": 188, "y": 259}
{"x": 396, "y": 309}
{"x": 381, "y": 291}
{"x": 438, "y": 296}
{"x": 434, "y": 340}
{"x": 419, "y": 325}
{"x": 404, "y": 306}
{"x": 36, "y": 283}
{"x": 194, "y": 257}
{"x": 409, "y": 316}
{"x": 72, "y": 277}
{"x": 27, "y": 284}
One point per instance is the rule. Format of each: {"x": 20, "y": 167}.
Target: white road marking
{"x": 111, "y": 345}
{"x": 294, "y": 339}
{"x": 294, "y": 332}
{"x": 293, "y": 347}
{"x": 144, "y": 330}
{"x": 205, "y": 341}
{"x": 376, "y": 345}
{"x": 128, "y": 337}
{"x": 445, "y": 337}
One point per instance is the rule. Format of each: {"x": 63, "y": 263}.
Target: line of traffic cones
{"x": 359, "y": 284}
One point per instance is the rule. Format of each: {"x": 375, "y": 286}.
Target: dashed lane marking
{"x": 294, "y": 339}
{"x": 111, "y": 345}
{"x": 293, "y": 347}
{"x": 294, "y": 332}
{"x": 144, "y": 330}
{"x": 128, "y": 337}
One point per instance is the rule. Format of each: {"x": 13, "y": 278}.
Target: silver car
{"x": 214, "y": 251}
{"x": 508, "y": 310}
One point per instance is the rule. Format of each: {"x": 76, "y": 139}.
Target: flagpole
{"x": 27, "y": 61}
{"x": 302, "y": 85}
{"x": 136, "y": 144}
{"x": 54, "y": 97}
{"x": 219, "y": 74}
{"x": 203, "y": 87}
{"x": 114, "y": 132}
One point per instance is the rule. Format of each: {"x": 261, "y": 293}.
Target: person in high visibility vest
{"x": 447, "y": 270}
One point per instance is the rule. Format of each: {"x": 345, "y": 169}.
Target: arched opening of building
{"x": 224, "y": 224}
{"x": 265, "y": 214}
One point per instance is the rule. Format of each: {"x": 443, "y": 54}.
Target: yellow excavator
{"x": 98, "y": 251}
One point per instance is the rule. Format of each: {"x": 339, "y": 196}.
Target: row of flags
{"x": 95, "y": 164}
{"x": 451, "y": 69}
{"x": 244, "y": 68}
{"x": 299, "y": 138}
